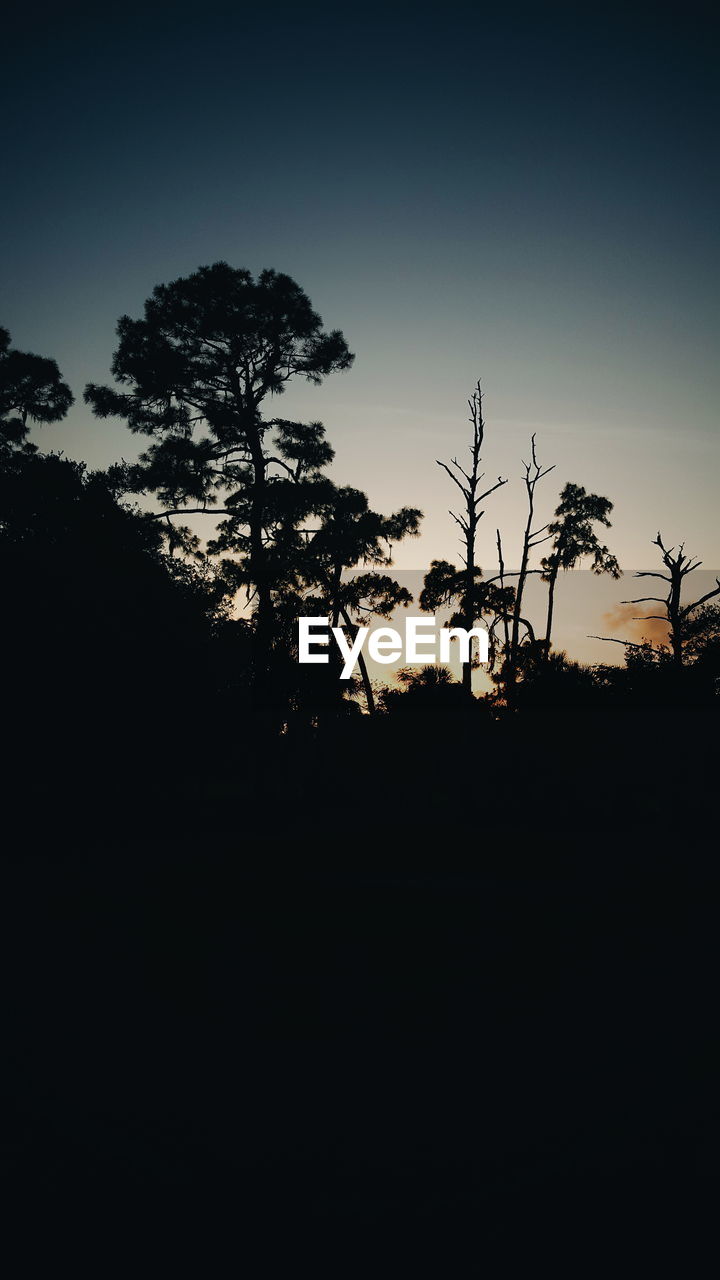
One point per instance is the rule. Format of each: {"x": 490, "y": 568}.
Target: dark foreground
{"x": 384, "y": 1008}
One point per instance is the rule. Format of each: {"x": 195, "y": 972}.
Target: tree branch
{"x": 645, "y": 600}
{"x": 689, "y": 608}
{"x": 487, "y": 492}
{"x": 190, "y": 511}
{"x": 629, "y": 644}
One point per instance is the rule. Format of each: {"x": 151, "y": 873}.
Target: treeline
{"x": 274, "y": 961}
{"x": 121, "y": 620}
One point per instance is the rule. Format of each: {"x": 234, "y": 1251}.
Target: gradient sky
{"x": 530, "y": 197}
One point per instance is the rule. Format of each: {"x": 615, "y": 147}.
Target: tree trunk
{"x": 674, "y": 618}
{"x": 510, "y": 681}
{"x": 367, "y": 686}
{"x": 264, "y": 616}
{"x": 467, "y": 604}
{"x": 551, "y": 604}
{"x": 522, "y": 579}
{"x": 501, "y": 566}
{"x": 335, "y": 595}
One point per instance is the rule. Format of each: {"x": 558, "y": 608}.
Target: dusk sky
{"x": 528, "y": 196}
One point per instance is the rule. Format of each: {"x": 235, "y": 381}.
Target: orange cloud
{"x": 636, "y": 624}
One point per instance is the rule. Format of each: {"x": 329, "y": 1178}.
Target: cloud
{"x": 636, "y": 624}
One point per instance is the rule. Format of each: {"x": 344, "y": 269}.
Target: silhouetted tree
{"x": 430, "y": 677}
{"x": 693, "y": 632}
{"x": 31, "y": 390}
{"x": 351, "y": 534}
{"x": 107, "y": 638}
{"x": 701, "y": 642}
{"x": 490, "y": 601}
{"x": 677, "y": 615}
{"x": 650, "y": 676}
{"x": 531, "y": 539}
{"x": 430, "y": 689}
{"x": 574, "y": 539}
{"x": 209, "y": 350}
{"x": 556, "y": 682}
{"x": 445, "y": 584}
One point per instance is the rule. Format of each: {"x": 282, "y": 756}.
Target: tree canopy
{"x": 31, "y": 390}
{"x": 194, "y": 372}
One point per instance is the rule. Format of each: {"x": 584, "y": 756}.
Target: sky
{"x": 529, "y": 197}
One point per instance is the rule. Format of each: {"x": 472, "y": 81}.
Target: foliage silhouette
{"x": 574, "y": 539}
{"x": 429, "y": 689}
{"x": 31, "y": 390}
{"x": 350, "y": 533}
{"x": 107, "y": 637}
{"x": 210, "y": 349}
{"x": 353, "y": 883}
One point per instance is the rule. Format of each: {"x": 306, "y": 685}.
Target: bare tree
{"x": 534, "y": 472}
{"x": 677, "y": 615}
{"x": 470, "y": 485}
